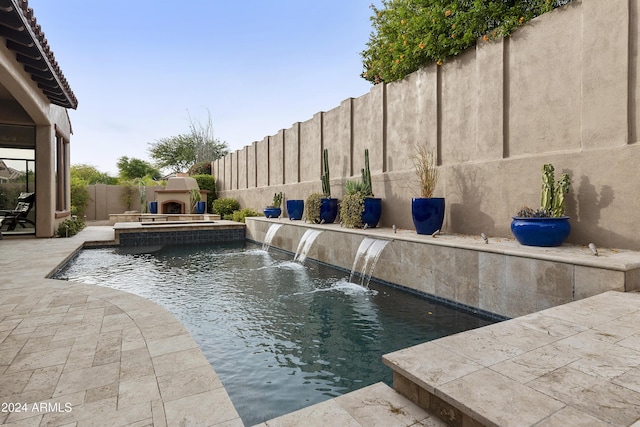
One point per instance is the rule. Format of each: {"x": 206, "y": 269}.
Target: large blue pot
{"x": 201, "y": 207}
{"x": 328, "y": 210}
{"x": 295, "y": 208}
{"x": 428, "y": 214}
{"x": 153, "y": 207}
{"x": 372, "y": 211}
{"x": 541, "y": 231}
{"x": 272, "y": 212}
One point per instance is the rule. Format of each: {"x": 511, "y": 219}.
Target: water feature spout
{"x": 305, "y": 243}
{"x": 367, "y": 256}
{"x": 269, "y": 236}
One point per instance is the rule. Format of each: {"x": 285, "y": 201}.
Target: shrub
{"x": 79, "y": 196}
{"x": 207, "y": 182}
{"x": 240, "y": 215}
{"x": 225, "y": 206}
{"x": 409, "y": 34}
{"x": 351, "y": 209}
{"x": 70, "y": 227}
{"x": 129, "y": 192}
{"x": 312, "y": 207}
{"x": 200, "y": 168}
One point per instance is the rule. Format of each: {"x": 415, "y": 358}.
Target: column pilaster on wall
{"x": 228, "y": 170}
{"x": 337, "y": 138}
{"x": 292, "y": 154}
{"x": 490, "y": 117}
{"x": 311, "y": 148}
{"x": 368, "y": 129}
{"x": 262, "y": 162}
{"x": 605, "y": 73}
{"x": 45, "y": 185}
{"x": 276, "y": 158}
{"x": 252, "y": 166}
{"x": 242, "y": 168}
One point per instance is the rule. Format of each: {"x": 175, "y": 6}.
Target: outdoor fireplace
{"x": 176, "y": 197}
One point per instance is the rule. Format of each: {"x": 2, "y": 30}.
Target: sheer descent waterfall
{"x": 306, "y": 241}
{"x": 368, "y": 253}
{"x": 269, "y": 237}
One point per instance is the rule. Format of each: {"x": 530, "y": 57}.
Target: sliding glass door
{"x": 17, "y": 175}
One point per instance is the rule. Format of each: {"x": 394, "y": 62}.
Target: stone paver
{"x": 75, "y": 354}
{"x": 571, "y": 365}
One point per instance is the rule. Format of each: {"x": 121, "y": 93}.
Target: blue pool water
{"x": 280, "y": 335}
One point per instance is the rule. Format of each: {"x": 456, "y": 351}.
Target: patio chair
{"x": 12, "y": 218}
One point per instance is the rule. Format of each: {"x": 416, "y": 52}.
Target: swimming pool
{"x": 281, "y": 335}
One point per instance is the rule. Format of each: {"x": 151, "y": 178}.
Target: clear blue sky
{"x": 140, "y": 68}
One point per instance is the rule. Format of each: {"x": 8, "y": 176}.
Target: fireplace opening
{"x": 172, "y": 208}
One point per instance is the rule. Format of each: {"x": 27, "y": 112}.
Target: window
{"x": 62, "y": 178}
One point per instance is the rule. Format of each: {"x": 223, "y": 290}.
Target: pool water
{"x": 279, "y": 334}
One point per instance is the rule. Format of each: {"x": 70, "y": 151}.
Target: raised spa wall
{"x": 501, "y": 278}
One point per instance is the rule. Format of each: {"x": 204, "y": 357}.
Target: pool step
{"x": 375, "y": 405}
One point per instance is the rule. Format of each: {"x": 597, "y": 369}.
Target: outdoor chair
{"x": 12, "y": 218}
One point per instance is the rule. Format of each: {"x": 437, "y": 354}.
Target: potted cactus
{"x": 548, "y": 225}
{"x": 359, "y": 208}
{"x": 321, "y": 207}
{"x": 274, "y": 209}
{"x": 427, "y": 211}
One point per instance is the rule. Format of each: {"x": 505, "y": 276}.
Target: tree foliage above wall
{"x": 132, "y": 168}
{"x": 410, "y": 34}
{"x": 180, "y": 153}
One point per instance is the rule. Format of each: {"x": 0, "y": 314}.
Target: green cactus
{"x": 562, "y": 188}
{"x": 326, "y": 186}
{"x": 277, "y": 200}
{"x": 366, "y": 176}
{"x": 547, "y": 187}
{"x": 553, "y": 194}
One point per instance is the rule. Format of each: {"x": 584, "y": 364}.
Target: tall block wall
{"x": 563, "y": 90}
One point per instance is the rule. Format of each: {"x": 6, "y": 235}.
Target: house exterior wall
{"x": 29, "y": 106}
{"x": 561, "y": 90}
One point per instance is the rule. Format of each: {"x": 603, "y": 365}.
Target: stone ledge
{"x": 575, "y": 362}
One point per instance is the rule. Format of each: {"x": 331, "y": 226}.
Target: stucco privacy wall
{"x": 108, "y": 199}
{"x": 563, "y": 89}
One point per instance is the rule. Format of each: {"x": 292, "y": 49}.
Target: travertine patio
{"x": 97, "y": 356}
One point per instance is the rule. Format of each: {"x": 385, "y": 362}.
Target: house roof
{"x": 7, "y": 173}
{"x": 25, "y": 37}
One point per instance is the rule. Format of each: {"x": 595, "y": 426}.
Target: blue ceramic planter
{"x": 295, "y": 208}
{"x": 153, "y": 207}
{"x": 372, "y": 211}
{"x": 428, "y": 214}
{"x": 541, "y": 231}
{"x": 328, "y": 210}
{"x": 272, "y": 212}
{"x": 201, "y": 207}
